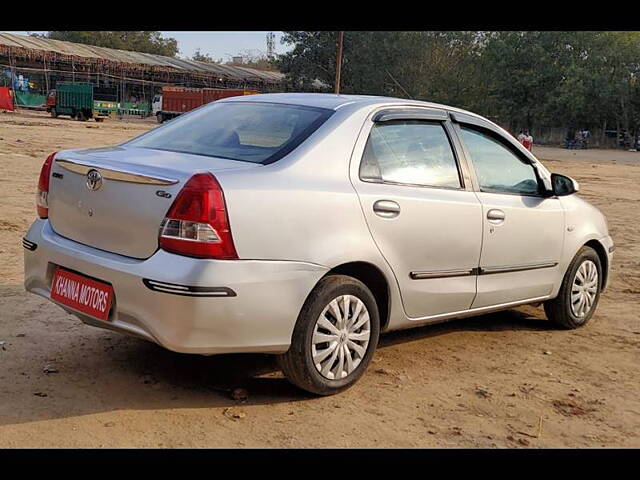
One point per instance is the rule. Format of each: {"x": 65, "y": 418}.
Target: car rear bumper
{"x": 184, "y": 304}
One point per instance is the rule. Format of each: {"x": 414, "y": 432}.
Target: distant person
{"x": 520, "y": 136}
{"x": 527, "y": 140}
{"x": 570, "y": 139}
{"x": 585, "y": 137}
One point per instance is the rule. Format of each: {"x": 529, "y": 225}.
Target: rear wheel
{"x": 579, "y": 293}
{"x": 334, "y": 338}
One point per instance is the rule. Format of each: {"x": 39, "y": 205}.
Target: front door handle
{"x": 386, "y": 208}
{"x": 495, "y": 216}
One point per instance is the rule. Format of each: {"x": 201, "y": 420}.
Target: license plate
{"x": 81, "y": 293}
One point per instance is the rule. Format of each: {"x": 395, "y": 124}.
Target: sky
{"x": 219, "y": 45}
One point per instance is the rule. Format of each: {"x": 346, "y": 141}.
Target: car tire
{"x": 332, "y": 373}
{"x": 580, "y": 288}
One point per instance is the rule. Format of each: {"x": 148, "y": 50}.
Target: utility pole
{"x": 339, "y": 61}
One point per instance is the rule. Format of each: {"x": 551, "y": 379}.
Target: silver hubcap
{"x": 584, "y": 289}
{"x": 340, "y": 337}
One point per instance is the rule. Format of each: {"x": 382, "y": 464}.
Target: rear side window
{"x": 412, "y": 152}
{"x": 250, "y": 132}
{"x": 499, "y": 169}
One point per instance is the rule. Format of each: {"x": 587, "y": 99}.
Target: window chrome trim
{"x": 534, "y": 195}
{"x": 401, "y": 184}
{"x": 114, "y": 174}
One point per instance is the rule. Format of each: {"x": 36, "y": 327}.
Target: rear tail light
{"x": 42, "y": 196}
{"x": 197, "y": 224}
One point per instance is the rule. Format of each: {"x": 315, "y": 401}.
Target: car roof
{"x": 334, "y": 102}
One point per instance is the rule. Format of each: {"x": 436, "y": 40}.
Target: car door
{"x": 423, "y": 216}
{"x": 523, "y": 230}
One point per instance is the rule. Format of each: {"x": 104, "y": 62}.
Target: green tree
{"x": 310, "y": 65}
{"x": 614, "y": 69}
{"x": 405, "y": 64}
{"x": 519, "y": 79}
{"x": 145, "y": 41}
{"x": 564, "y": 78}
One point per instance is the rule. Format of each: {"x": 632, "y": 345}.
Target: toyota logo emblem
{"x": 94, "y": 180}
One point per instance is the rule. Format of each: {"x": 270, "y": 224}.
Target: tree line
{"x": 149, "y": 42}
{"x": 518, "y": 79}
{"x": 139, "y": 41}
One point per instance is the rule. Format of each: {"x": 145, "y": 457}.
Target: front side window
{"x": 250, "y": 132}
{"x": 410, "y": 152}
{"x": 499, "y": 170}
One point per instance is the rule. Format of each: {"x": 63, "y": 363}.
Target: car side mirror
{"x": 563, "y": 185}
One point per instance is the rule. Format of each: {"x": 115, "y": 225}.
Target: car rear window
{"x": 245, "y": 131}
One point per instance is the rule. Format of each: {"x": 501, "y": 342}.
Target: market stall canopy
{"x": 44, "y": 48}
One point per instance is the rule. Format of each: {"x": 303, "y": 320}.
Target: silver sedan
{"x": 304, "y": 225}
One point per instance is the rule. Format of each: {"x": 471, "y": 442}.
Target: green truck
{"x": 76, "y": 100}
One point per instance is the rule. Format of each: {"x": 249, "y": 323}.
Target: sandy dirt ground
{"x": 501, "y": 380}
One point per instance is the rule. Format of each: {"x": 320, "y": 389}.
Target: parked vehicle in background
{"x": 105, "y": 109}
{"x": 75, "y": 99}
{"x": 304, "y": 225}
{"x": 175, "y": 101}
{"x": 139, "y": 108}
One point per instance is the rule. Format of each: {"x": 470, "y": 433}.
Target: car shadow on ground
{"x": 114, "y": 372}
{"x": 260, "y": 375}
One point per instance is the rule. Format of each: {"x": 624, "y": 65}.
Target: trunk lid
{"x": 121, "y": 209}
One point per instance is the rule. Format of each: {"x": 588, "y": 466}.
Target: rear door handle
{"x": 495, "y": 216}
{"x": 386, "y": 208}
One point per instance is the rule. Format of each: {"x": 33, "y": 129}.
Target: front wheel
{"x": 579, "y": 293}
{"x": 334, "y": 338}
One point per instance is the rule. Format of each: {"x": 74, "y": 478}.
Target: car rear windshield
{"x": 247, "y": 131}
